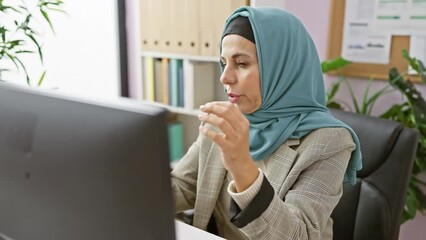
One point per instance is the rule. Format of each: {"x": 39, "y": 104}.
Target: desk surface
{"x": 188, "y": 232}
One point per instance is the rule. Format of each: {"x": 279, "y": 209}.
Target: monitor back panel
{"x": 76, "y": 170}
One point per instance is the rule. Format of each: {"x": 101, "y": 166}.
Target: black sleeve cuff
{"x": 240, "y": 218}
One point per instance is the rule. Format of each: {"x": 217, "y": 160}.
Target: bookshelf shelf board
{"x": 180, "y": 56}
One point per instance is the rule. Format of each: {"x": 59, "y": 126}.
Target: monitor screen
{"x": 79, "y": 169}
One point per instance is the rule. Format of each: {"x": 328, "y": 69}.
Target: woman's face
{"x": 240, "y": 76}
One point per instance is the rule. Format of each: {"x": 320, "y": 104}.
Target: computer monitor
{"x": 79, "y": 169}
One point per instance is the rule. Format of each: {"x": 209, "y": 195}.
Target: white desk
{"x": 188, "y": 232}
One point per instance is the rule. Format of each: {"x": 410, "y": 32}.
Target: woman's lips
{"x": 233, "y": 98}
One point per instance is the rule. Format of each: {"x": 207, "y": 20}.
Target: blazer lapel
{"x": 278, "y": 165}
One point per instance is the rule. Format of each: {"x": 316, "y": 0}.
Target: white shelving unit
{"x": 196, "y": 58}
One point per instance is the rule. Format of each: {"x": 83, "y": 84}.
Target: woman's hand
{"x": 233, "y": 140}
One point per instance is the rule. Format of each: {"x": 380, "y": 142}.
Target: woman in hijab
{"x": 270, "y": 162}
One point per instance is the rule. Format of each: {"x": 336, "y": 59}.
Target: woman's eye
{"x": 242, "y": 64}
{"x": 222, "y": 64}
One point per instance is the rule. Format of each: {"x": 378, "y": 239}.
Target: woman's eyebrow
{"x": 237, "y": 55}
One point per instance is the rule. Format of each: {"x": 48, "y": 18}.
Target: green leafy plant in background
{"x": 411, "y": 113}
{"x": 23, "y": 35}
{"x": 334, "y": 65}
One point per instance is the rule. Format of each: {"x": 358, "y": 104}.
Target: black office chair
{"x": 372, "y": 208}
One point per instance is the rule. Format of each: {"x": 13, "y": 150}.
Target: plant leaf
{"x": 14, "y": 43}
{"x": 422, "y": 71}
{"x": 354, "y": 100}
{"x": 40, "y": 81}
{"x": 12, "y": 49}
{"x": 3, "y": 31}
{"x": 25, "y": 70}
{"x": 38, "y": 46}
{"x": 416, "y": 64}
{"x": 58, "y": 10}
{"x": 411, "y": 61}
{"x": 13, "y": 60}
{"x": 332, "y": 91}
{"x": 392, "y": 112}
{"x": 411, "y": 203}
{"x": 24, "y": 51}
{"x": 365, "y": 96}
{"x": 334, "y": 105}
{"x": 413, "y": 96}
{"x": 3, "y": 8}
{"x": 46, "y": 17}
{"x": 330, "y": 65}
{"x": 374, "y": 98}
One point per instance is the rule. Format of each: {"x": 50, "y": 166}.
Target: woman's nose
{"x": 228, "y": 76}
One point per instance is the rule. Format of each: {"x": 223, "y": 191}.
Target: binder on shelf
{"x": 167, "y": 22}
{"x": 145, "y": 24}
{"x": 222, "y": 9}
{"x": 187, "y": 27}
{"x": 206, "y": 75}
{"x": 212, "y": 17}
{"x": 181, "y": 84}
{"x": 149, "y": 79}
{"x": 158, "y": 27}
{"x": 165, "y": 78}
{"x": 191, "y": 23}
{"x": 208, "y": 32}
{"x": 175, "y": 132}
{"x": 153, "y": 25}
{"x": 174, "y": 82}
{"x": 200, "y": 81}
{"x": 169, "y": 78}
{"x": 158, "y": 79}
{"x": 176, "y": 27}
{"x": 184, "y": 27}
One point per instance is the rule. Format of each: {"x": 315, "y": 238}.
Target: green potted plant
{"x": 411, "y": 113}
{"x": 20, "y": 33}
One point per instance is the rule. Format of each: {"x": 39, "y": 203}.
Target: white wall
{"x": 83, "y": 57}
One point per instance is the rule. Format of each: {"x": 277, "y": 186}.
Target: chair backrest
{"x": 372, "y": 208}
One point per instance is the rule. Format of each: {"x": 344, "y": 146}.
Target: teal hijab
{"x": 292, "y": 85}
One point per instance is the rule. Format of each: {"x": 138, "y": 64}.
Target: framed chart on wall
{"x": 364, "y": 70}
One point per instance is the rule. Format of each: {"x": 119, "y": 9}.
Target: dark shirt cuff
{"x": 240, "y": 218}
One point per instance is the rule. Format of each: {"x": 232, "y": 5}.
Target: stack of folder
{"x": 164, "y": 81}
{"x": 186, "y": 26}
{"x": 178, "y": 83}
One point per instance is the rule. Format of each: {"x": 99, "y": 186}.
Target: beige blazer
{"x": 306, "y": 175}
